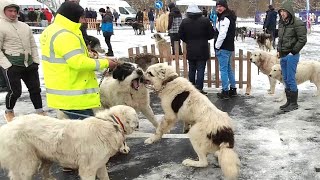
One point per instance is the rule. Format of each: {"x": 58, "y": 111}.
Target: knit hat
{"x": 193, "y": 8}
{"x": 171, "y": 5}
{"x": 222, "y": 3}
{"x": 102, "y": 10}
{"x": 71, "y": 11}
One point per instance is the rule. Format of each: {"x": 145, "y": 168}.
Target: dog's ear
{"x": 122, "y": 71}
{"x": 162, "y": 73}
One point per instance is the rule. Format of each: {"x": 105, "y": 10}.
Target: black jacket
{"x": 195, "y": 31}
{"x": 139, "y": 16}
{"x": 228, "y": 42}
{"x": 271, "y": 20}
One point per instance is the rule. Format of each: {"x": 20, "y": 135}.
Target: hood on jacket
{"x": 287, "y": 5}
{"x": 71, "y": 11}
{"x": 7, "y": 3}
{"x": 193, "y": 8}
{"x": 176, "y": 12}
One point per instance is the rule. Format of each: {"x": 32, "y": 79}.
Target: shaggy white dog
{"x": 264, "y": 61}
{"x": 126, "y": 87}
{"x": 306, "y": 71}
{"x": 211, "y": 130}
{"x": 87, "y": 145}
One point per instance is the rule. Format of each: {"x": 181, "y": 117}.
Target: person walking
{"x": 19, "y": 58}
{"x": 292, "y": 38}
{"x": 224, "y": 46}
{"x": 195, "y": 31}
{"x": 139, "y": 16}
{"x": 70, "y": 80}
{"x": 116, "y": 17}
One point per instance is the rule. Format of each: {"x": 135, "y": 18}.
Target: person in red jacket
{"x": 48, "y": 15}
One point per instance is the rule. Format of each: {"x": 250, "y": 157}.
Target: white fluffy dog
{"x": 306, "y": 71}
{"x": 264, "y": 61}
{"x": 211, "y": 130}
{"x": 126, "y": 87}
{"x": 87, "y": 145}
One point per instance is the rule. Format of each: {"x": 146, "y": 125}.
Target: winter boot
{"x": 288, "y": 99}
{"x": 110, "y": 53}
{"x": 223, "y": 95}
{"x": 8, "y": 116}
{"x": 233, "y": 92}
{"x": 293, "y": 102}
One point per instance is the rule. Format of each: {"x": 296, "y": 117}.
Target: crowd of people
{"x": 19, "y": 58}
{"x": 36, "y": 17}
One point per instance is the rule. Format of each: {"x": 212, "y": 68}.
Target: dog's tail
{"x": 229, "y": 162}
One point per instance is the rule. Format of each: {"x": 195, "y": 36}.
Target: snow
{"x": 270, "y": 145}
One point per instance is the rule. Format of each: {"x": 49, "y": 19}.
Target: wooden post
{"x": 209, "y": 74}
{"x": 176, "y": 56}
{"x": 216, "y": 64}
{"x": 145, "y": 49}
{"x": 241, "y": 68}
{"x": 130, "y": 52}
{"x": 185, "y": 63}
{"x": 169, "y": 54}
{"x": 248, "y": 89}
{"x": 137, "y": 50}
{"x": 153, "y": 49}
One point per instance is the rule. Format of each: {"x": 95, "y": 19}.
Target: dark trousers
{"x": 107, "y": 37}
{"x": 78, "y": 114}
{"x": 30, "y": 77}
{"x": 273, "y": 34}
{"x": 175, "y": 37}
{"x": 197, "y": 67}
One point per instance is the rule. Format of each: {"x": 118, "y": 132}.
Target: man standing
{"x": 19, "y": 58}
{"x": 151, "y": 19}
{"x": 175, "y": 19}
{"x": 292, "y": 38}
{"x": 71, "y": 84}
{"x": 224, "y": 46}
{"x": 271, "y": 23}
{"x": 139, "y": 16}
{"x": 195, "y": 31}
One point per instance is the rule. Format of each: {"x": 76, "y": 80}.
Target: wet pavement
{"x": 162, "y": 160}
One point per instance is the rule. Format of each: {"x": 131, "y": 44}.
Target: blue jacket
{"x": 107, "y": 24}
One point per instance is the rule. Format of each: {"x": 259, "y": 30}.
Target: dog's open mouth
{"x": 135, "y": 84}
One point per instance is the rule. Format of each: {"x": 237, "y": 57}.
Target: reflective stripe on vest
{"x": 53, "y": 59}
{"x": 72, "y": 92}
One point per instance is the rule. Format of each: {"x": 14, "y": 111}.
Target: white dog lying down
{"x": 211, "y": 130}
{"x": 86, "y": 145}
{"x": 264, "y": 61}
{"x": 126, "y": 87}
{"x": 306, "y": 71}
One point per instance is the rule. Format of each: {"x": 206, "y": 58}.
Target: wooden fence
{"x": 212, "y": 79}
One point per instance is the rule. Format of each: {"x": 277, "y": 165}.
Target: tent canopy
{"x": 28, "y": 2}
{"x": 197, "y": 2}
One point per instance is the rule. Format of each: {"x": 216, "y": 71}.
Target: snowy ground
{"x": 270, "y": 145}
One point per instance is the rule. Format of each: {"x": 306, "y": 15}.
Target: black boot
{"x": 293, "y": 102}
{"x": 233, "y": 92}
{"x": 223, "y": 95}
{"x": 110, "y": 53}
{"x": 288, "y": 99}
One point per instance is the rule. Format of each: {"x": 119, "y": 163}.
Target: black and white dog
{"x": 126, "y": 87}
{"x": 138, "y": 28}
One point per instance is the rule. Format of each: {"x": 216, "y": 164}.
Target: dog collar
{"x": 169, "y": 80}
{"x": 117, "y": 120}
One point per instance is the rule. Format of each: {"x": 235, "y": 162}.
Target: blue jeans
{"x": 78, "y": 114}
{"x": 226, "y": 72}
{"x": 198, "y": 66}
{"x": 289, "y": 65}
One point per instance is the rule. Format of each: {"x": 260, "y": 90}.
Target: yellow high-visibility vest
{"x": 69, "y": 77}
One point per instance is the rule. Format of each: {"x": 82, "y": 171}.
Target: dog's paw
{"x": 125, "y": 149}
{"x": 278, "y": 100}
{"x": 188, "y": 162}
{"x": 151, "y": 140}
{"x": 315, "y": 95}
